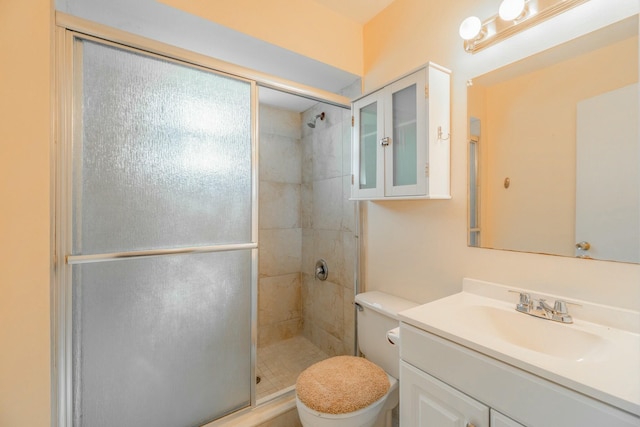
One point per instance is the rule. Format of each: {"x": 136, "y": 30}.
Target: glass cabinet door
{"x": 404, "y": 136}
{"x": 369, "y": 149}
{"x": 368, "y": 145}
{"x": 405, "y": 118}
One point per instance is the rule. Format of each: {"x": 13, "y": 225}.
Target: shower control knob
{"x": 322, "y": 270}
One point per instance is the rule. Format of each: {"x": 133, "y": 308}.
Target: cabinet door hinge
{"x": 426, "y": 91}
{"x": 353, "y": 179}
{"x": 426, "y": 170}
{"x": 353, "y": 120}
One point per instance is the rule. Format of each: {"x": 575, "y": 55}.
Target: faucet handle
{"x": 560, "y": 312}
{"x": 525, "y": 298}
{"x": 560, "y": 307}
{"x": 524, "y": 305}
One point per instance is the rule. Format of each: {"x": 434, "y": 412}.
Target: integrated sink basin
{"x": 536, "y": 334}
{"x": 597, "y": 355}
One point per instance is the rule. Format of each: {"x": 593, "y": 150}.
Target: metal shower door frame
{"x": 67, "y": 63}
{"x": 67, "y": 29}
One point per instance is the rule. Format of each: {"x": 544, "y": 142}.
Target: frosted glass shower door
{"x": 162, "y": 248}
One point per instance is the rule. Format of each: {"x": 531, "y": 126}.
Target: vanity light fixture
{"x": 511, "y": 10}
{"x": 513, "y": 16}
{"x": 470, "y": 28}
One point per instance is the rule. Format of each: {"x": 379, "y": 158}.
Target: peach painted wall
{"x": 418, "y": 249}
{"x": 302, "y": 26}
{"x": 25, "y": 44}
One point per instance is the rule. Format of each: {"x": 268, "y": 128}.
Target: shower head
{"x": 313, "y": 123}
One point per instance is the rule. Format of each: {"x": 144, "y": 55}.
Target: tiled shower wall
{"x": 305, "y": 215}
{"x": 328, "y": 229}
{"x": 280, "y": 231}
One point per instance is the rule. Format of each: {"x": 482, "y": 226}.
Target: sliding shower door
{"x": 161, "y": 240}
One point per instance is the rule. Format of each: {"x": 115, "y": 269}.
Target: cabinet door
{"x": 368, "y": 151}
{"x": 500, "y": 420}
{"x": 405, "y": 125}
{"x": 428, "y": 402}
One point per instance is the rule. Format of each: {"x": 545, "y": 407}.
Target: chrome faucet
{"x": 540, "y": 308}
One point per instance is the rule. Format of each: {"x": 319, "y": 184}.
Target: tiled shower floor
{"x": 280, "y": 364}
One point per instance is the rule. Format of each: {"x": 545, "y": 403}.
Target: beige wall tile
{"x": 279, "y": 251}
{"x": 327, "y": 342}
{"x": 324, "y": 305}
{"x": 308, "y": 252}
{"x": 306, "y": 205}
{"x": 348, "y": 206}
{"x": 327, "y": 204}
{"x": 327, "y": 153}
{"x": 275, "y": 332}
{"x": 280, "y": 122}
{"x": 307, "y": 158}
{"x": 280, "y": 158}
{"x": 279, "y": 299}
{"x": 349, "y": 245}
{"x": 279, "y": 205}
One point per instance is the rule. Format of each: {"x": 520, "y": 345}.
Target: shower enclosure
{"x": 177, "y": 285}
{"x": 305, "y": 215}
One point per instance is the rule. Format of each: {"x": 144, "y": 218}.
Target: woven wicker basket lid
{"x": 341, "y": 384}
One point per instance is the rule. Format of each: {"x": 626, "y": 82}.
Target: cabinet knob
{"x": 585, "y": 246}
{"x": 385, "y": 141}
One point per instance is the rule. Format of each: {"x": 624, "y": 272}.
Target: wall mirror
{"x": 554, "y": 151}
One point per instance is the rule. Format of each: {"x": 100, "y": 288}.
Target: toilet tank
{"x": 378, "y": 313}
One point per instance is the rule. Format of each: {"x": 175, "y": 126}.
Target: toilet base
{"x": 385, "y": 420}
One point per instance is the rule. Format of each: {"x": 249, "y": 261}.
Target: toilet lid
{"x": 341, "y": 384}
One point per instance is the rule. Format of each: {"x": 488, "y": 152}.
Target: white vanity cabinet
{"x": 401, "y": 139}
{"x": 496, "y": 419}
{"x": 426, "y": 401}
{"x": 446, "y": 384}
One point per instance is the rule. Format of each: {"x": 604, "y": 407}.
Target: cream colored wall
{"x": 418, "y": 249}
{"x": 302, "y": 26}
{"x": 24, "y": 213}
{"x": 532, "y": 140}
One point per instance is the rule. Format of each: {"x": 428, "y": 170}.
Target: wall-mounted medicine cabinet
{"x": 401, "y": 138}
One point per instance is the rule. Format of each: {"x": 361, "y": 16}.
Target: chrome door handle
{"x": 385, "y": 141}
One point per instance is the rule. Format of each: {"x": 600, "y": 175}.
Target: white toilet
{"x": 345, "y": 391}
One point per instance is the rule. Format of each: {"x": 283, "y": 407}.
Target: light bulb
{"x": 470, "y": 28}
{"x": 511, "y": 9}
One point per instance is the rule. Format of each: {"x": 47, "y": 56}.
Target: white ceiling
{"x": 360, "y": 11}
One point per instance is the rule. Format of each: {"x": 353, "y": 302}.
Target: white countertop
{"x": 599, "y": 360}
